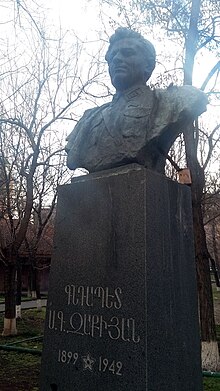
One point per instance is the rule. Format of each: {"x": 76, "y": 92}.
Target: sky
{"x": 83, "y": 17}
{"x": 80, "y": 15}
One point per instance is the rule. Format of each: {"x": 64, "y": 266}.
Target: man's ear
{"x": 147, "y": 73}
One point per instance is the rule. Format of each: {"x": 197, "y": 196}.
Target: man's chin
{"x": 121, "y": 84}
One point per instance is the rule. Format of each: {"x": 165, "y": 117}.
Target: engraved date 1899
{"x": 88, "y": 362}
{"x": 67, "y": 357}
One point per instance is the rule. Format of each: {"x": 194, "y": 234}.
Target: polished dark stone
{"x": 126, "y": 234}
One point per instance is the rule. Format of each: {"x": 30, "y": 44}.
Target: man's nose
{"x": 118, "y": 58}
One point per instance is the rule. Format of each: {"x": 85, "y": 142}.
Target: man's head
{"x": 131, "y": 59}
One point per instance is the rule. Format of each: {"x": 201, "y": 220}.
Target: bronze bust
{"x": 140, "y": 124}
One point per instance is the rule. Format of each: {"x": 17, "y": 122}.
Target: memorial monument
{"x": 122, "y": 303}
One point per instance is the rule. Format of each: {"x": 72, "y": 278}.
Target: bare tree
{"x": 194, "y": 28}
{"x": 41, "y": 83}
{"x": 49, "y": 174}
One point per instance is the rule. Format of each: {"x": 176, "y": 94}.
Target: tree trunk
{"x": 18, "y": 290}
{"x": 215, "y": 248}
{"x": 38, "y": 294}
{"x": 38, "y": 284}
{"x": 207, "y": 321}
{"x": 33, "y": 283}
{"x": 210, "y": 355}
{"x": 215, "y": 272}
{"x": 191, "y": 42}
{"x": 29, "y": 281}
{"x": 10, "y": 289}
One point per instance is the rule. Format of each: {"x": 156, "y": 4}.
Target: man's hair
{"x": 148, "y": 48}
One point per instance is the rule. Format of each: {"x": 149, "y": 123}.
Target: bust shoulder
{"x": 94, "y": 110}
{"x": 82, "y": 125}
{"x": 184, "y": 98}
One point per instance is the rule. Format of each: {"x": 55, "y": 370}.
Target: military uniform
{"x": 139, "y": 125}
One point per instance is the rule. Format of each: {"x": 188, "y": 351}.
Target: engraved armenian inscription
{"x": 94, "y": 325}
{"x": 92, "y": 312}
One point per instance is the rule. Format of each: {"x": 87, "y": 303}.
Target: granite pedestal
{"x": 122, "y": 305}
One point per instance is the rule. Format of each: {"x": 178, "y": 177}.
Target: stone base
{"x": 122, "y": 305}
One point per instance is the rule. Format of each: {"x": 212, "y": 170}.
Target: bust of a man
{"x": 140, "y": 124}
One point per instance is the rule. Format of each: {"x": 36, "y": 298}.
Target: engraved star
{"x": 88, "y": 362}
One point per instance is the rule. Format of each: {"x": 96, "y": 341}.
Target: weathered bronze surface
{"x": 140, "y": 124}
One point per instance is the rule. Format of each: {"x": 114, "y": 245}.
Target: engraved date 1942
{"x": 115, "y": 367}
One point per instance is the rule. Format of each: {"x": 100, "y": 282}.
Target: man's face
{"x": 127, "y": 64}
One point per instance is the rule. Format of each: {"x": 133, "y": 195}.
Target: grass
{"x": 211, "y": 384}
{"x": 20, "y": 372}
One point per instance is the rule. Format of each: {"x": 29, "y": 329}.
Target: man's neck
{"x": 126, "y": 92}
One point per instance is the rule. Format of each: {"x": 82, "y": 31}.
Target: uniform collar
{"x": 131, "y": 93}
